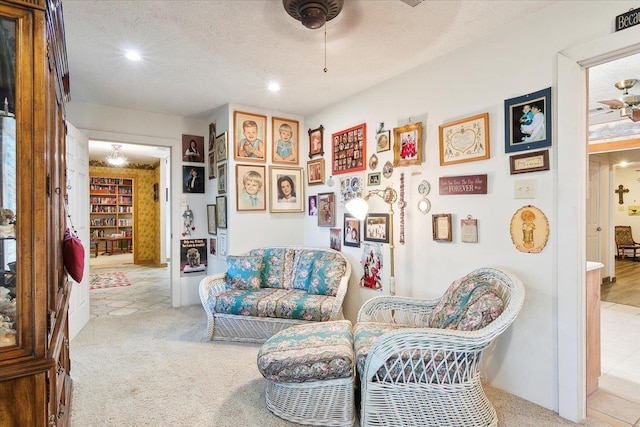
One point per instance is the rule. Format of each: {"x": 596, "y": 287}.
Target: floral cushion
{"x": 468, "y": 305}
{"x": 278, "y": 265}
{"x": 320, "y": 351}
{"x": 364, "y": 335}
{"x": 326, "y": 275}
{"x": 303, "y": 267}
{"x": 244, "y": 272}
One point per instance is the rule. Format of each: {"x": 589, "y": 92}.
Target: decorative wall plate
{"x": 529, "y": 229}
{"x": 424, "y": 188}
{"x": 387, "y": 170}
{"x": 424, "y": 206}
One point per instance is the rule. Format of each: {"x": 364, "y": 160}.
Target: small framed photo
{"x": 373, "y": 179}
{"x": 441, "y": 227}
{"x": 349, "y": 150}
{"x": 316, "y": 141}
{"x": 193, "y": 179}
{"x": 334, "y": 239}
{"x": 315, "y": 172}
{"x": 383, "y": 141}
{"x": 250, "y": 188}
{"x": 221, "y": 211}
{"x": 351, "y": 231}
{"x": 407, "y": 145}
{"x": 212, "y": 136}
{"x": 376, "y": 228}
{"x": 193, "y": 148}
{"x": 284, "y": 142}
{"x": 326, "y": 210}
{"x": 213, "y": 247}
{"x": 529, "y": 162}
{"x": 469, "y": 230}
{"x": 465, "y": 140}
{"x": 211, "y": 165}
{"x": 313, "y": 206}
{"x": 222, "y": 178}
{"x": 250, "y": 133}
{"x": 528, "y": 121}
{"x": 212, "y": 225}
{"x": 286, "y": 189}
{"x": 221, "y": 147}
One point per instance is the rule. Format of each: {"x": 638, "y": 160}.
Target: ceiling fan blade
{"x": 635, "y": 115}
{"x": 613, "y": 103}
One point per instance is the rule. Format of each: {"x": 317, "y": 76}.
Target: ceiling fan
{"x": 628, "y": 104}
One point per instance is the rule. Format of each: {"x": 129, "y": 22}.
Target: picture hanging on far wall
{"x": 250, "y": 188}
{"x": 193, "y": 257}
{"x": 193, "y": 179}
{"x": 250, "y": 136}
{"x": 315, "y": 141}
{"x": 222, "y": 178}
{"x": 221, "y": 147}
{"x": 212, "y": 136}
{"x": 193, "y": 148}
{"x": 212, "y": 165}
{"x": 349, "y": 150}
{"x": 465, "y": 140}
{"x": 407, "y": 145}
{"x": 211, "y": 219}
{"x": 285, "y": 140}
{"x": 528, "y": 121}
{"x": 286, "y": 189}
{"x": 334, "y": 239}
{"x": 221, "y": 211}
{"x": 529, "y": 229}
{"x": 326, "y": 209}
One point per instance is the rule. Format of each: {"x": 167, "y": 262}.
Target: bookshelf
{"x": 111, "y": 207}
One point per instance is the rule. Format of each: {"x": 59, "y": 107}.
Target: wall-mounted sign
{"x": 467, "y": 184}
{"x": 628, "y": 19}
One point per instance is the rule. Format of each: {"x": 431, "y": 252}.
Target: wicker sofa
{"x": 272, "y": 288}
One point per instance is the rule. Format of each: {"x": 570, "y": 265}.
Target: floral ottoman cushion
{"x": 314, "y": 352}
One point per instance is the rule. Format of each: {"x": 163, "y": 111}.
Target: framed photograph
{"x": 193, "y": 257}
{"x": 407, "y": 145}
{"x": 250, "y": 188}
{"x": 349, "y": 150}
{"x": 529, "y": 162}
{"x": 212, "y": 224}
{"x": 222, "y": 178}
{"x": 441, "y": 227}
{"x": 285, "y": 141}
{"x": 193, "y": 179}
{"x": 250, "y": 133}
{"x": 334, "y": 239}
{"x": 193, "y": 148}
{"x": 286, "y": 189}
{"x": 211, "y": 165}
{"x": 316, "y": 141}
{"x": 376, "y": 228}
{"x": 212, "y": 136}
{"x": 221, "y": 211}
{"x": 383, "y": 141}
{"x": 315, "y": 172}
{"x": 213, "y": 247}
{"x": 221, "y": 147}
{"x": 373, "y": 179}
{"x": 351, "y": 231}
{"x": 326, "y": 210}
{"x": 465, "y": 140}
{"x": 528, "y": 121}
{"x": 313, "y": 206}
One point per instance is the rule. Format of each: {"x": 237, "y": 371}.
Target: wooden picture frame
{"x": 211, "y": 165}
{"x": 441, "y": 224}
{"x": 349, "y": 150}
{"x": 212, "y": 136}
{"x": 383, "y": 141}
{"x": 376, "y": 228}
{"x": 221, "y": 147}
{"x": 193, "y": 179}
{"x": 286, "y": 189}
{"x": 465, "y": 140}
{"x": 351, "y": 235}
{"x": 192, "y": 148}
{"x": 315, "y": 172}
{"x": 285, "y": 141}
{"x": 326, "y": 210}
{"x": 529, "y": 162}
{"x": 221, "y": 211}
{"x": 316, "y": 140}
{"x": 222, "y": 178}
{"x": 250, "y": 188}
{"x": 407, "y": 145}
{"x": 212, "y": 225}
{"x": 250, "y": 132}
{"x": 528, "y": 121}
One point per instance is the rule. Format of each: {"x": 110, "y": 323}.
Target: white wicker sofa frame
{"x": 439, "y": 380}
{"x": 233, "y": 327}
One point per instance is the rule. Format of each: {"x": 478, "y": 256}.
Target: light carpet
{"x": 157, "y": 369}
{"x": 108, "y": 280}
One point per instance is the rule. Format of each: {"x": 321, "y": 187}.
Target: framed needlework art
{"x": 349, "y": 150}
{"x": 465, "y": 140}
{"x": 250, "y": 135}
{"x": 407, "y": 145}
{"x": 284, "y": 142}
{"x": 528, "y": 121}
{"x": 315, "y": 141}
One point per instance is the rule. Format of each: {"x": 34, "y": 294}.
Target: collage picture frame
{"x": 349, "y": 150}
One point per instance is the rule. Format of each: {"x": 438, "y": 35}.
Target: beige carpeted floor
{"x": 157, "y": 369}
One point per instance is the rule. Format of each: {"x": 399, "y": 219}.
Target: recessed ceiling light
{"x": 274, "y": 87}
{"x": 133, "y": 55}
{"x": 623, "y": 164}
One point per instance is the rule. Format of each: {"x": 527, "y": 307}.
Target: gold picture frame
{"x": 407, "y": 145}
{"x": 283, "y": 150}
{"x": 315, "y": 172}
{"x": 465, "y": 140}
{"x": 250, "y": 132}
{"x": 251, "y": 188}
{"x": 286, "y": 189}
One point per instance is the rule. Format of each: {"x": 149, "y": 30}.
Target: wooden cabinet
{"x": 111, "y": 206}
{"x": 35, "y": 384}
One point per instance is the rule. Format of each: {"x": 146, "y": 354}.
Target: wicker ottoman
{"x": 310, "y": 369}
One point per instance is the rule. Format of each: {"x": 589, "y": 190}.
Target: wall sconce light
{"x": 116, "y": 158}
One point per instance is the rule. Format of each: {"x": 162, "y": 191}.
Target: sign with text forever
{"x": 467, "y": 184}
{"x": 628, "y": 19}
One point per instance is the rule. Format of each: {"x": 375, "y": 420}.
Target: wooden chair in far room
{"x": 625, "y": 242}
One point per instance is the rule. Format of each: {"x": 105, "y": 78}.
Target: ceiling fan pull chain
{"x": 325, "y": 48}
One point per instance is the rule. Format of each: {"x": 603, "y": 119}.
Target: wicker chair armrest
{"x": 210, "y": 287}
{"x": 400, "y": 310}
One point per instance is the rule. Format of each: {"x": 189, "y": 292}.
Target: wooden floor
{"x": 626, "y": 288}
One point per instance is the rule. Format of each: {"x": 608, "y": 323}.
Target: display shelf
{"x": 111, "y": 207}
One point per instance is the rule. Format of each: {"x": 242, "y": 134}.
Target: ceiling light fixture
{"x": 115, "y": 157}
{"x": 313, "y": 13}
{"x": 274, "y": 87}
{"x": 133, "y": 55}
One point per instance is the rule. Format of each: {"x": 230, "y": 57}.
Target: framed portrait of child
{"x": 250, "y": 188}
{"x": 285, "y": 141}
{"x": 250, "y": 135}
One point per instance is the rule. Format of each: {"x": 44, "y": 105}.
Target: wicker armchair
{"x": 414, "y": 375}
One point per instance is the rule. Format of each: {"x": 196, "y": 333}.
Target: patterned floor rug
{"x": 108, "y": 280}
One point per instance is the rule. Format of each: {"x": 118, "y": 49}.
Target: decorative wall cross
{"x": 620, "y": 191}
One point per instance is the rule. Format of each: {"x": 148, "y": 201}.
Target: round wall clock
{"x": 529, "y": 229}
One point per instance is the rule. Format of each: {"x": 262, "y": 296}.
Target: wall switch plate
{"x": 183, "y": 202}
{"x": 524, "y": 189}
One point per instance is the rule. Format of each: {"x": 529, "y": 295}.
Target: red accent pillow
{"x": 73, "y": 255}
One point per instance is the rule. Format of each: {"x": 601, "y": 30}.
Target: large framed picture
{"x": 407, "y": 145}
{"x": 351, "y": 231}
{"x": 465, "y": 140}
{"x": 376, "y": 228}
{"x": 193, "y": 148}
{"x": 222, "y": 178}
{"x": 221, "y": 211}
{"x": 286, "y": 189}
{"x": 326, "y": 210}
{"x": 285, "y": 141}
{"x": 250, "y": 133}
{"x": 193, "y": 179}
{"x": 528, "y": 121}
{"x": 349, "y": 150}
{"x": 315, "y": 141}
{"x": 315, "y": 172}
{"x": 212, "y": 225}
{"x": 221, "y": 147}
{"x": 250, "y": 194}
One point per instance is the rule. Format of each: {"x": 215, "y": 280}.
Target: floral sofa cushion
{"x": 326, "y": 274}
{"x": 278, "y": 266}
{"x": 303, "y": 267}
{"x": 302, "y": 353}
{"x": 244, "y": 272}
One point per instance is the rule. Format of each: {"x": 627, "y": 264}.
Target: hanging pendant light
{"x": 116, "y": 158}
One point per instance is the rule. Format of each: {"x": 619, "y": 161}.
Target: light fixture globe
{"x": 313, "y": 13}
